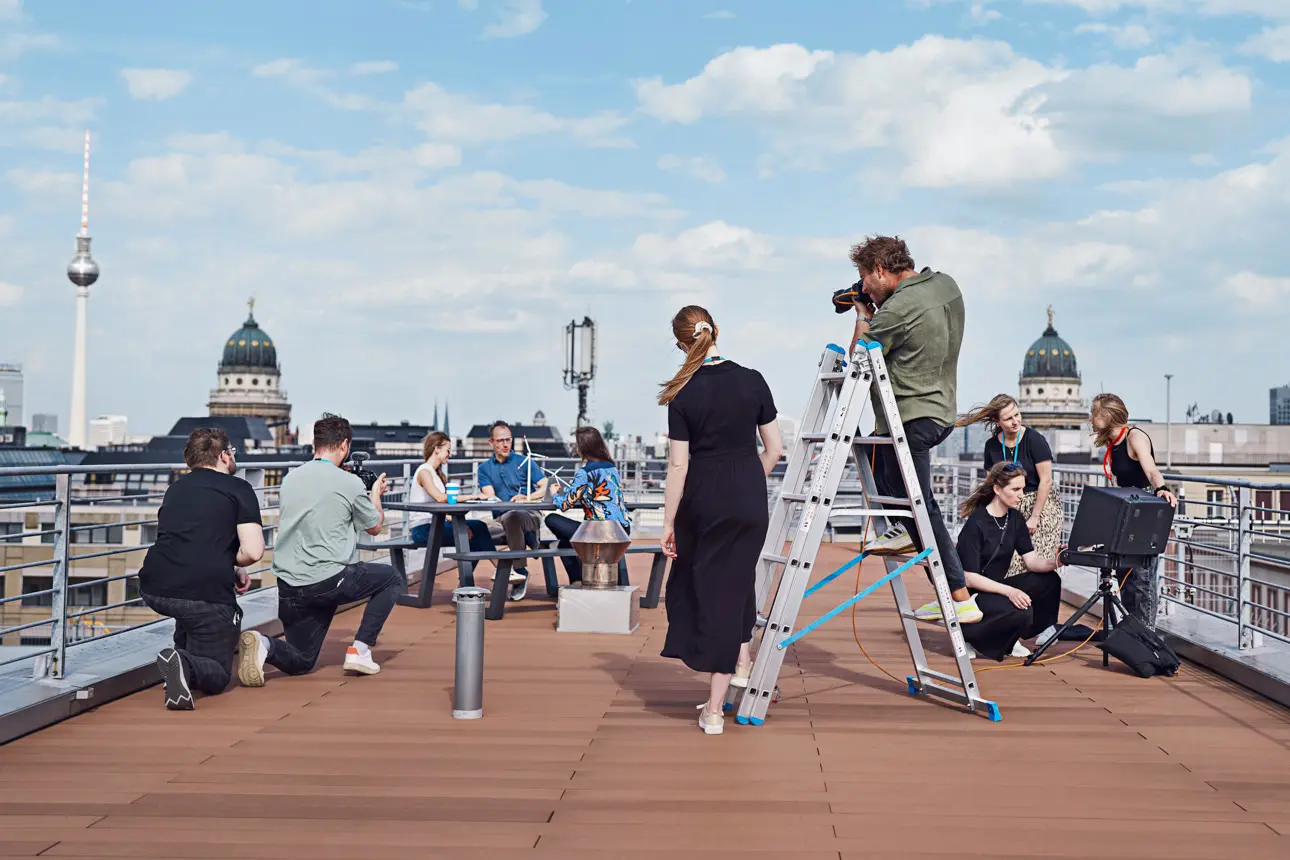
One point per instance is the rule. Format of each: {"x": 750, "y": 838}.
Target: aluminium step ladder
{"x": 827, "y": 443}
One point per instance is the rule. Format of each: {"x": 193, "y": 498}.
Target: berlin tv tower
{"x": 81, "y": 271}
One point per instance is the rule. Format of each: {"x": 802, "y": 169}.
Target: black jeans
{"x": 205, "y": 637}
{"x": 563, "y": 528}
{"x": 922, "y": 434}
{"x": 306, "y": 612}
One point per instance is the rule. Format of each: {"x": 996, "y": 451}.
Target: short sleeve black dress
{"x": 722, "y": 518}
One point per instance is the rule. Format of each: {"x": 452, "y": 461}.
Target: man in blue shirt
{"x": 511, "y": 477}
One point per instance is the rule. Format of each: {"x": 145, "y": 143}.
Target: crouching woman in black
{"x": 1013, "y": 607}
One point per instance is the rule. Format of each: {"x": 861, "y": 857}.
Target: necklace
{"x": 1016, "y": 445}
{"x": 713, "y": 358}
{"x": 1106, "y": 458}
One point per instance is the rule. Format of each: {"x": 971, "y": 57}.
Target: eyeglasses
{"x": 1012, "y": 466}
{"x": 231, "y": 449}
{"x": 505, "y": 441}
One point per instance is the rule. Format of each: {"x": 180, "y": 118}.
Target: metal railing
{"x": 76, "y": 614}
{"x": 1227, "y": 558}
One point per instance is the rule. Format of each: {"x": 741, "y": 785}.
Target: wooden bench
{"x": 547, "y": 552}
{"x": 505, "y": 560}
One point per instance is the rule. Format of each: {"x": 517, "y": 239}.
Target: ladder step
{"x": 890, "y": 500}
{"x": 833, "y": 377}
{"x": 777, "y": 559}
{"x": 795, "y": 497}
{"x": 949, "y": 679}
{"x": 859, "y": 440}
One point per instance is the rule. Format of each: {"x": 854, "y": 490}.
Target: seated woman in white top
{"x": 428, "y": 486}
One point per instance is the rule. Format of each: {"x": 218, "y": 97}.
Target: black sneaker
{"x": 178, "y": 696}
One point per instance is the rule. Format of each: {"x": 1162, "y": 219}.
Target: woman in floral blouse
{"x": 595, "y": 489}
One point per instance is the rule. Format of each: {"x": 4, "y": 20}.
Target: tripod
{"x": 1105, "y": 593}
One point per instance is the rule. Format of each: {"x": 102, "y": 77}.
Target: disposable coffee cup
{"x": 454, "y": 490}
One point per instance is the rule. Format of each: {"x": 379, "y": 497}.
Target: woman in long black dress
{"x": 1012, "y": 607}
{"x": 716, "y": 510}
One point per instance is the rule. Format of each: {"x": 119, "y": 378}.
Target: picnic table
{"x": 503, "y": 558}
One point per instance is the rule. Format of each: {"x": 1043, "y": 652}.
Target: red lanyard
{"x": 1106, "y": 458}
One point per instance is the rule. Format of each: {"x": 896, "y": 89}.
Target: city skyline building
{"x": 249, "y": 380}
{"x": 11, "y": 386}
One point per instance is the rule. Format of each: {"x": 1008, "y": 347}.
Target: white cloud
{"x": 699, "y": 167}
{"x": 601, "y": 273}
{"x": 720, "y": 15}
{"x": 373, "y": 67}
{"x": 714, "y": 245}
{"x": 1257, "y": 289}
{"x": 515, "y": 18}
{"x": 14, "y": 45}
{"x": 468, "y": 5}
{"x": 961, "y": 112}
{"x": 1123, "y": 35}
{"x": 10, "y": 10}
{"x": 156, "y": 84}
{"x": 456, "y": 118}
{"x": 1272, "y": 44}
{"x": 10, "y": 294}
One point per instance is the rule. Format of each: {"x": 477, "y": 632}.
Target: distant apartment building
{"x": 1279, "y": 405}
{"x": 43, "y": 422}
{"x": 108, "y": 430}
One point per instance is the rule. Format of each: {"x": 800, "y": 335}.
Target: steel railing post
{"x": 57, "y": 666}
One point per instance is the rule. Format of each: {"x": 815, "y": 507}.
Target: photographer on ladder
{"x": 918, "y": 319}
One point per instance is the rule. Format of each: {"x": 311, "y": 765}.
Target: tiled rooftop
{"x": 588, "y": 748}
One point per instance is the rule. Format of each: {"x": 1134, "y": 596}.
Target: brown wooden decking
{"x": 589, "y": 749}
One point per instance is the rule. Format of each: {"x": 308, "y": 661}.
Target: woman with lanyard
{"x": 1130, "y": 461}
{"x": 1013, "y": 607}
{"x": 1012, "y": 442}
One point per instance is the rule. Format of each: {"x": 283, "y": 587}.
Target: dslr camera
{"x": 845, "y": 299}
{"x": 355, "y": 466}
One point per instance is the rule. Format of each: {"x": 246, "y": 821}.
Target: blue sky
{"x": 420, "y": 194}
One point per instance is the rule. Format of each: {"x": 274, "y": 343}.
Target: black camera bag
{"x": 1142, "y": 650}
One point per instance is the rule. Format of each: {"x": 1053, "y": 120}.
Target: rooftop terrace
{"x": 588, "y": 745}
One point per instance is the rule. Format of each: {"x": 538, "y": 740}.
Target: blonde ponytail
{"x": 695, "y": 331}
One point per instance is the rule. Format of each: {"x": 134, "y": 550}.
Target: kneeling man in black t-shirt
{"x": 1016, "y": 607}
{"x": 208, "y": 527}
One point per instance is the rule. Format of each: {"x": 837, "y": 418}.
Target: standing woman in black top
{"x": 1012, "y": 607}
{"x": 1130, "y": 461}
{"x": 716, "y": 509}
{"x": 1012, "y": 442}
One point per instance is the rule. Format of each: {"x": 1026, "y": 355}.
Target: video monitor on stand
{"x": 1116, "y": 529}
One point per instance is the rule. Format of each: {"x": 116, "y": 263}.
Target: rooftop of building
{"x": 588, "y": 748}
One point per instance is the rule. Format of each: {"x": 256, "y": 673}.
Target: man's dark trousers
{"x": 205, "y": 638}
{"x": 922, "y": 434}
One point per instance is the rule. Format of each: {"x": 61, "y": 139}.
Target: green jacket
{"x": 920, "y": 327}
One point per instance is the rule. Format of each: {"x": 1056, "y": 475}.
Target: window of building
{"x": 255, "y": 380}
{"x": 132, "y": 588}
{"x": 31, "y": 584}
{"x": 89, "y": 595}
{"x": 16, "y": 529}
{"x": 35, "y": 641}
{"x": 1262, "y": 502}
{"x": 1039, "y": 391}
{"x": 1285, "y": 504}
{"x": 239, "y": 380}
{"x": 1215, "y": 497}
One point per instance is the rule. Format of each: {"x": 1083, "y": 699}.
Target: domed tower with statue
{"x": 249, "y": 381}
{"x": 1049, "y": 385}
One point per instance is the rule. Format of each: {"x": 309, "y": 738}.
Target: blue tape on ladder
{"x": 992, "y": 711}
{"x": 914, "y": 688}
{"x": 850, "y": 600}
{"x": 834, "y": 575}
{"x": 835, "y": 348}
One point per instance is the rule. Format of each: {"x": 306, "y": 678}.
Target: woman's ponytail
{"x": 694, "y": 330}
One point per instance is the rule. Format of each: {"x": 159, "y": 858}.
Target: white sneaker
{"x": 252, "y": 651}
{"x": 743, "y": 673}
{"x": 363, "y": 664}
{"x": 712, "y": 724}
{"x": 1047, "y": 633}
{"x": 1020, "y": 650}
{"x": 894, "y": 541}
{"x": 519, "y": 586}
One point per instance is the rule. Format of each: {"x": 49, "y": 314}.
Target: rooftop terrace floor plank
{"x": 589, "y": 744}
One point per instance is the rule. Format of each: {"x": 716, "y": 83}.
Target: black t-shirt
{"x": 986, "y": 543}
{"x": 720, "y": 409}
{"x": 196, "y": 547}
{"x": 1031, "y": 448}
